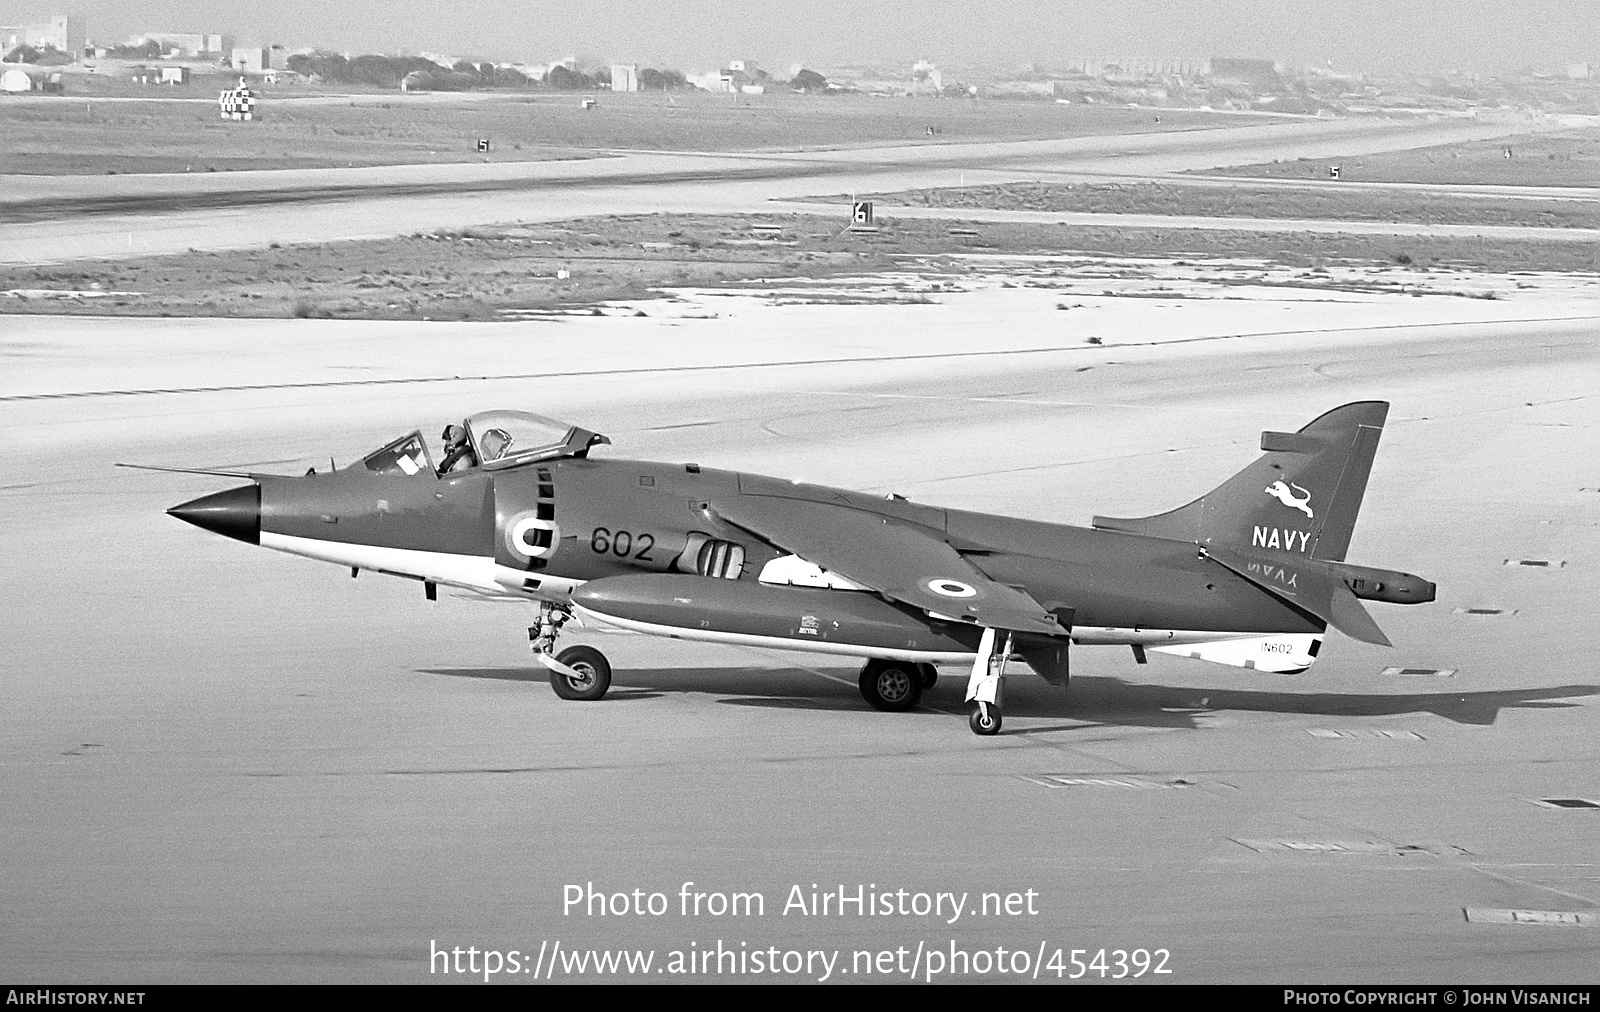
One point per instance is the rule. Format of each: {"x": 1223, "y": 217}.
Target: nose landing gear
{"x": 578, "y": 672}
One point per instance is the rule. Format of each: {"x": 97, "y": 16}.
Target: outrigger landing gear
{"x": 892, "y": 686}
{"x": 985, "y": 691}
{"x": 575, "y": 673}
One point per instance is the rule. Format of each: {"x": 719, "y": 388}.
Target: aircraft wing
{"x": 903, "y": 561}
{"x": 1310, "y": 587}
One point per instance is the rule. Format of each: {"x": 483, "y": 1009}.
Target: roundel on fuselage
{"x": 528, "y": 537}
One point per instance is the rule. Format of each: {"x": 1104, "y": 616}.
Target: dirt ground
{"x": 580, "y": 266}
{"x": 1557, "y": 159}
{"x": 1262, "y": 202}
{"x": 78, "y": 135}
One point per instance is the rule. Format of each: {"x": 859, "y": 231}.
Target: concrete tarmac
{"x": 226, "y": 764}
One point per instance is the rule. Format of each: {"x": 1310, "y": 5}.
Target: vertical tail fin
{"x": 1301, "y": 497}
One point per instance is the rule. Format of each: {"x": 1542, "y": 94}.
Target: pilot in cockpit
{"x": 458, "y": 455}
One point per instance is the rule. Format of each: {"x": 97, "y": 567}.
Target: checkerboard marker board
{"x": 238, "y": 104}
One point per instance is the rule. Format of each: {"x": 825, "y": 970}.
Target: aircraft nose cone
{"x": 235, "y": 513}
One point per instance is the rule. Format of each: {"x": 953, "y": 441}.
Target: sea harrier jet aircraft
{"x": 1250, "y": 574}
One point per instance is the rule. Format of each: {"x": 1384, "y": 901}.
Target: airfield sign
{"x": 238, "y": 104}
{"x": 861, "y": 212}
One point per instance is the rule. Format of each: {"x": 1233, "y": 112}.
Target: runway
{"x": 224, "y": 764}
{"x": 58, "y": 219}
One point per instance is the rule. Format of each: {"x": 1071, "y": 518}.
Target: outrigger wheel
{"x": 890, "y": 685}
{"x": 983, "y": 718}
{"x": 593, "y": 674}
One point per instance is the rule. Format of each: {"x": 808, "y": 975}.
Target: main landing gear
{"x": 575, "y": 673}
{"x": 985, "y": 688}
{"x": 895, "y": 686}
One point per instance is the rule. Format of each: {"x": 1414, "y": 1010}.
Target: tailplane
{"x": 1300, "y": 497}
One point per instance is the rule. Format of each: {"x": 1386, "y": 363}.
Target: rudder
{"x": 1300, "y": 497}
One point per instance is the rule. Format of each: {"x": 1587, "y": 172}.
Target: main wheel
{"x": 930, "y": 675}
{"x": 981, "y": 723}
{"x": 891, "y": 686}
{"x": 593, "y": 669}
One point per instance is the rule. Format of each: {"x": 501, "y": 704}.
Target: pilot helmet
{"x": 453, "y": 434}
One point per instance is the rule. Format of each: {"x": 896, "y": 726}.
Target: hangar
{"x": 16, "y": 80}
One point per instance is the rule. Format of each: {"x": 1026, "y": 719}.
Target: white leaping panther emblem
{"x": 1280, "y": 491}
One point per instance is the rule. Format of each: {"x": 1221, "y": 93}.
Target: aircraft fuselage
{"x": 610, "y": 518}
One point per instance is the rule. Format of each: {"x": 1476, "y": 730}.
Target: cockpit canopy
{"x": 508, "y": 438}
{"x": 501, "y": 439}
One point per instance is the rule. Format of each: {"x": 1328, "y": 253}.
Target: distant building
{"x": 1253, "y": 73}
{"x": 738, "y": 76}
{"x": 63, "y": 32}
{"x": 1580, "y": 71}
{"x": 713, "y": 80}
{"x": 624, "y": 77}
{"x": 259, "y": 59}
{"x": 726, "y": 80}
{"x": 1023, "y": 89}
{"x": 188, "y": 45}
{"x": 1137, "y": 68}
{"x": 159, "y": 75}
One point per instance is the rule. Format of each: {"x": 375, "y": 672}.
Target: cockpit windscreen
{"x": 407, "y": 456}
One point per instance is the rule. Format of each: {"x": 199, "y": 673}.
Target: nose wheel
{"x": 578, "y": 672}
{"x": 583, "y": 673}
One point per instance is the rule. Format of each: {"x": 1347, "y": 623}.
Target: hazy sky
{"x": 1483, "y": 35}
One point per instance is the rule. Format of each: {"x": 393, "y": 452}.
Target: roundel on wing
{"x": 952, "y": 588}
{"x": 528, "y": 537}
